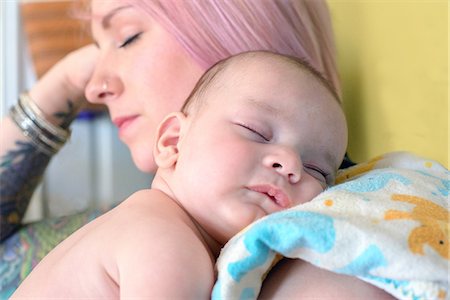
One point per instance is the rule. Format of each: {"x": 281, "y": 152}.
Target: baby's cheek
{"x": 308, "y": 191}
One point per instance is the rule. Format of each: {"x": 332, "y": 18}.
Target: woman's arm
{"x": 59, "y": 95}
{"x": 298, "y": 279}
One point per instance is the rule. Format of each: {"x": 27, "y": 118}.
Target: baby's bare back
{"x": 146, "y": 247}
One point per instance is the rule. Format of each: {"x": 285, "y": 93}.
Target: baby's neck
{"x": 213, "y": 245}
{"x": 210, "y": 243}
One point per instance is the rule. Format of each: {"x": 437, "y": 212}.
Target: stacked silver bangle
{"x": 47, "y": 137}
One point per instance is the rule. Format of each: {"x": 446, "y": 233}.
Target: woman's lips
{"x": 274, "y": 193}
{"x": 123, "y": 123}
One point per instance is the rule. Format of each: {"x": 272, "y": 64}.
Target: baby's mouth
{"x": 274, "y": 193}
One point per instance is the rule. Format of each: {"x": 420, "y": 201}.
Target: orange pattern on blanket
{"x": 434, "y": 224}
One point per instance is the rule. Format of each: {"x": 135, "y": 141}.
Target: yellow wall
{"x": 393, "y": 59}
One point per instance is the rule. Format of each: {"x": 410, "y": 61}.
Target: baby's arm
{"x": 164, "y": 257}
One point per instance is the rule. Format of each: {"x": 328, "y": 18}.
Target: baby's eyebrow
{"x": 264, "y": 106}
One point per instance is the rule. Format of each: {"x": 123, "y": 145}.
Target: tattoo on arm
{"x": 21, "y": 170}
{"x": 68, "y": 116}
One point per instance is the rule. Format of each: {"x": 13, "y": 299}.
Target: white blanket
{"x": 386, "y": 223}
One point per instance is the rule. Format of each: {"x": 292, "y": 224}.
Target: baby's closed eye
{"x": 254, "y": 132}
{"x": 316, "y": 172}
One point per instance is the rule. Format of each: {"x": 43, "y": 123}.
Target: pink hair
{"x": 211, "y": 30}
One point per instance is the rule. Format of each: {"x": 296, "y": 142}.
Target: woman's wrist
{"x": 58, "y": 102}
{"x": 47, "y": 137}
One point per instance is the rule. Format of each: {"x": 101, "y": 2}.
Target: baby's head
{"x": 225, "y": 67}
{"x": 260, "y": 133}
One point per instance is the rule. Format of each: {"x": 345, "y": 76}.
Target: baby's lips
{"x": 280, "y": 197}
{"x": 275, "y": 193}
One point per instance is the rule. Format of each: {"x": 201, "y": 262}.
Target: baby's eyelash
{"x": 318, "y": 170}
{"x": 250, "y": 128}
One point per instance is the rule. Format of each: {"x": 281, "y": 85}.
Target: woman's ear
{"x": 167, "y": 138}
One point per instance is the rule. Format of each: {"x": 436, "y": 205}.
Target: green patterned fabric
{"x": 21, "y": 252}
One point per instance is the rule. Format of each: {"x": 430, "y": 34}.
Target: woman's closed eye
{"x": 130, "y": 40}
{"x": 255, "y": 132}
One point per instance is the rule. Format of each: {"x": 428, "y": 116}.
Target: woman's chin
{"x": 144, "y": 161}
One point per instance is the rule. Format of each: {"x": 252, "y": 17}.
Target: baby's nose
{"x": 286, "y": 162}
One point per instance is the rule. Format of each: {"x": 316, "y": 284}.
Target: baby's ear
{"x": 167, "y": 137}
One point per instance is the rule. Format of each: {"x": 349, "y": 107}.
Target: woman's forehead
{"x": 101, "y": 8}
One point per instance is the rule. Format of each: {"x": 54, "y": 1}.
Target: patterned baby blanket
{"x": 386, "y": 222}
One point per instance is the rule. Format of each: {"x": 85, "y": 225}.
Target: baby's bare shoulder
{"x": 160, "y": 245}
{"x": 150, "y": 215}
{"x": 149, "y": 207}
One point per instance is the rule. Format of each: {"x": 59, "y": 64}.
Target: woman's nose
{"x": 286, "y": 162}
{"x": 102, "y": 87}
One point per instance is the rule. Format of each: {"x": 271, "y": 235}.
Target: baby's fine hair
{"x": 213, "y": 30}
{"x": 198, "y": 96}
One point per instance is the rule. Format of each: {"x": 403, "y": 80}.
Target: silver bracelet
{"x": 47, "y": 137}
{"x": 35, "y": 113}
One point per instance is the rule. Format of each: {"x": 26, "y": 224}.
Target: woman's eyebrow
{"x": 106, "y": 20}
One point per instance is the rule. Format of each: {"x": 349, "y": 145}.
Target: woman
{"x": 147, "y": 58}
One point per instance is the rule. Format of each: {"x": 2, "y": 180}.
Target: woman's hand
{"x": 61, "y": 90}
{"x": 77, "y": 67}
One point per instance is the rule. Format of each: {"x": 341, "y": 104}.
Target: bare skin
{"x": 297, "y": 279}
{"x": 103, "y": 261}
